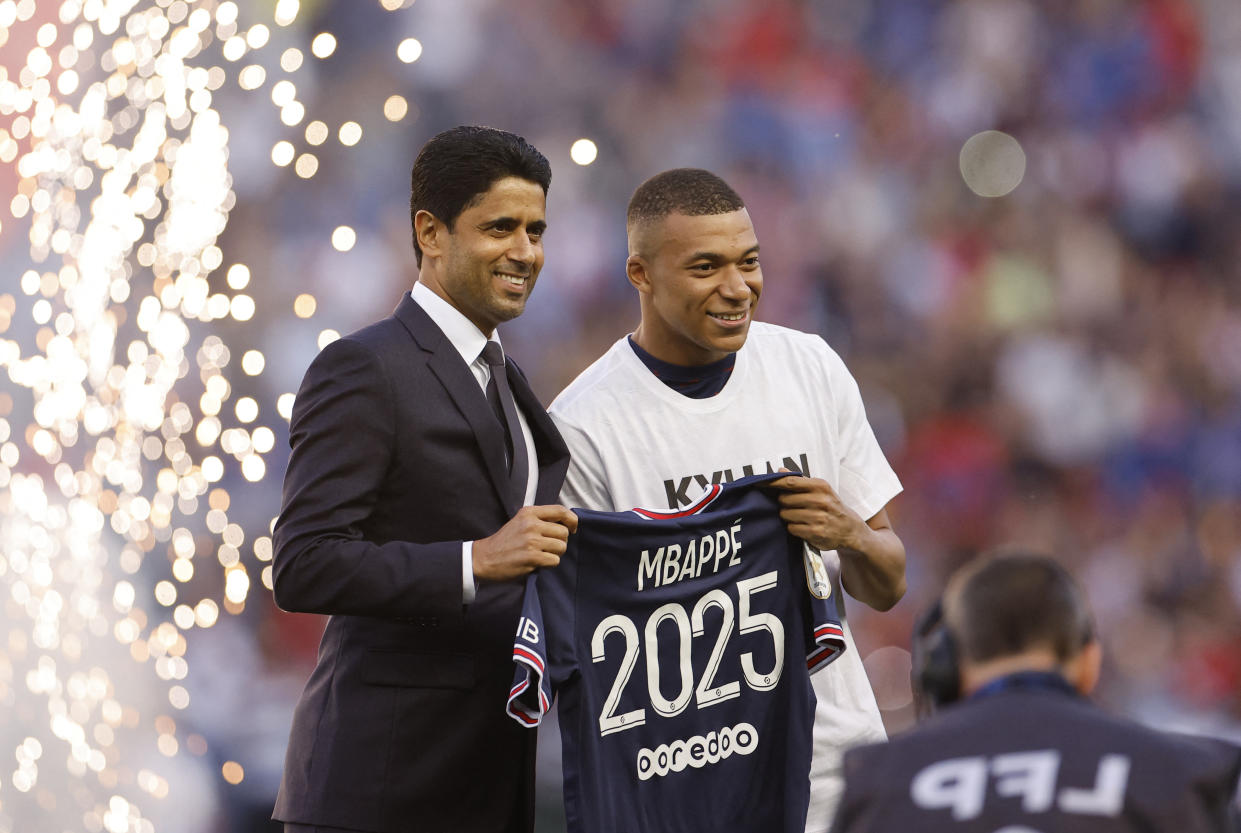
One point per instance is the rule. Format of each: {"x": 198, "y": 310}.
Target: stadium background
{"x": 1059, "y": 366}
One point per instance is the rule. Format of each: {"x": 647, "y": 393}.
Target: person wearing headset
{"x": 1009, "y": 741}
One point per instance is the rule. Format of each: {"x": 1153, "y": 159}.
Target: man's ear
{"x": 635, "y": 270}
{"x": 1084, "y": 669}
{"x": 430, "y": 233}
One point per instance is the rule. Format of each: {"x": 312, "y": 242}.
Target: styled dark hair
{"x": 457, "y": 166}
{"x": 689, "y": 191}
{"x": 1013, "y": 602}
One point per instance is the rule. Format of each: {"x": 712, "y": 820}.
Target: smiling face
{"x": 699, "y": 280}
{"x": 487, "y": 263}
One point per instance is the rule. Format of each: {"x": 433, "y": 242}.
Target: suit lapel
{"x": 453, "y": 373}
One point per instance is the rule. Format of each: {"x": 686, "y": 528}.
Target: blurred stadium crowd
{"x": 1059, "y": 367}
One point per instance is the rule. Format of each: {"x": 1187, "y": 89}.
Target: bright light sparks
{"x": 178, "y": 697}
{"x": 238, "y": 276}
{"x": 206, "y": 613}
{"x": 252, "y": 362}
{"x": 343, "y": 238}
{"x": 166, "y": 593}
{"x": 282, "y": 153}
{"x": 306, "y": 165}
{"x": 326, "y": 337}
{"x": 292, "y": 113}
{"x": 234, "y": 48}
{"x": 286, "y": 12}
{"x": 583, "y": 152}
{"x": 118, "y": 459}
{"x": 323, "y": 45}
{"x": 242, "y": 307}
{"x": 395, "y": 108}
{"x": 253, "y": 469}
{"x": 291, "y": 59}
{"x": 247, "y": 409}
{"x": 213, "y": 469}
{"x": 258, "y": 35}
{"x": 252, "y": 77}
{"x": 350, "y": 133}
{"x": 316, "y": 132}
{"x": 183, "y": 569}
{"x": 304, "y": 305}
{"x": 409, "y": 50}
{"x": 263, "y": 439}
{"x": 283, "y": 93}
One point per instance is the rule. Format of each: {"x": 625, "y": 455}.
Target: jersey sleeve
{"x": 826, "y": 640}
{"x": 543, "y": 652}
{"x": 867, "y": 481}
{"x": 531, "y": 694}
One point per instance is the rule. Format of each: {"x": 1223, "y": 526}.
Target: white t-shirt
{"x": 790, "y": 402}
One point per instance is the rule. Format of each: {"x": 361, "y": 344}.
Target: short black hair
{"x": 1008, "y": 603}
{"x": 689, "y": 191}
{"x": 457, "y": 166}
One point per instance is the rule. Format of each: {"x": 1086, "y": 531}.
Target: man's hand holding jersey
{"x": 872, "y": 557}
{"x": 535, "y": 537}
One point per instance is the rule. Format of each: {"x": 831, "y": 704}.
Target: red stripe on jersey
{"x": 532, "y": 658}
{"x": 711, "y": 495}
{"x": 821, "y": 656}
{"x": 523, "y": 717}
{"x": 519, "y": 711}
{"x": 828, "y": 630}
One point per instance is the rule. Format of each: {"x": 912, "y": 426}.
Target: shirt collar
{"x": 465, "y": 337}
{"x": 1026, "y": 680}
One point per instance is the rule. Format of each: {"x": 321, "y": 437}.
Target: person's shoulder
{"x": 380, "y": 334}
{"x": 867, "y": 757}
{"x": 807, "y": 352}
{"x": 595, "y": 387}
{"x": 881, "y": 761}
{"x": 379, "y": 347}
{"x": 379, "y": 338}
{"x": 1198, "y": 753}
{"x": 766, "y": 337}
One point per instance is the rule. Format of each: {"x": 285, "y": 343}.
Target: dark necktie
{"x": 501, "y": 398}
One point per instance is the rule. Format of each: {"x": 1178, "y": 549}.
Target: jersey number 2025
{"x": 688, "y": 626}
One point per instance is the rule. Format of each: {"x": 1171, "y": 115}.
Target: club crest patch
{"x": 816, "y": 574}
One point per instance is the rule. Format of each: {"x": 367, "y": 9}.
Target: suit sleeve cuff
{"x": 468, "y": 588}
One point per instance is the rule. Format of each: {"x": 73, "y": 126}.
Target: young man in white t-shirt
{"x": 700, "y": 393}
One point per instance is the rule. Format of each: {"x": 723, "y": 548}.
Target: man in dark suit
{"x": 420, "y": 490}
{"x": 1025, "y": 751}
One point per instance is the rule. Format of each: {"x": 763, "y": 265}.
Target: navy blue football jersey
{"x": 680, "y": 647}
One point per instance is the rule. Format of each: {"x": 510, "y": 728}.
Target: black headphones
{"x": 933, "y": 675}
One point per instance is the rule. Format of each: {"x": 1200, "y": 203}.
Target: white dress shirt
{"x": 469, "y": 342}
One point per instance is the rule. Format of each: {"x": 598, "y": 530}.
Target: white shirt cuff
{"x": 468, "y": 588}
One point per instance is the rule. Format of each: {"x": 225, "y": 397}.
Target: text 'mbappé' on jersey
{"x": 680, "y": 646}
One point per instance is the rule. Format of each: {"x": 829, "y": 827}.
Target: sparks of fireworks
{"x": 115, "y": 438}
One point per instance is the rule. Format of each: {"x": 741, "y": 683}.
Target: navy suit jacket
{"x": 397, "y": 458}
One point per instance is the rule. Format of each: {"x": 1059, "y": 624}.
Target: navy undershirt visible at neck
{"x": 1028, "y": 681}
{"x": 699, "y": 382}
